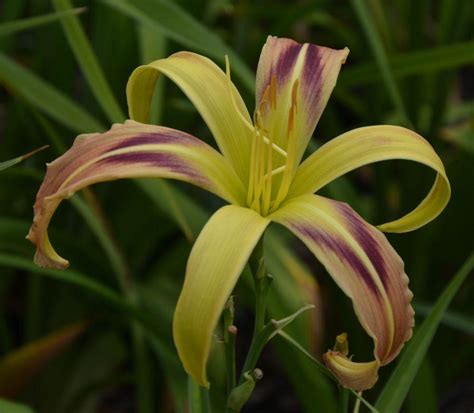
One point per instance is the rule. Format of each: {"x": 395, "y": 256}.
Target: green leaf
{"x": 69, "y": 276}
{"x": 45, "y": 97}
{"x": 184, "y": 211}
{"x": 451, "y": 318}
{"x": 32, "y": 22}
{"x": 179, "y": 25}
{"x": 419, "y": 62}
{"x": 88, "y": 62}
{"x": 18, "y": 159}
{"x": 7, "y": 406}
{"x": 380, "y": 55}
{"x": 99, "y": 229}
{"x": 423, "y": 395}
{"x": 19, "y": 367}
{"x": 396, "y": 389}
{"x": 153, "y": 47}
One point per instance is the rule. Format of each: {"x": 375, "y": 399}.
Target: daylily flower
{"x": 259, "y": 172}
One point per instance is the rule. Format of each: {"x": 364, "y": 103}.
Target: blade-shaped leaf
{"x": 375, "y": 42}
{"x": 11, "y": 407}
{"x": 72, "y": 277}
{"x": 19, "y": 367}
{"x": 16, "y": 26}
{"x": 396, "y": 389}
{"x": 18, "y": 159}
{"x": 453, "y": 319}
{"x": 45, "y": 97}
{"x": 412, "y": 63}
{"x": 183, "y": 28}
{"x": 88, "y": 61}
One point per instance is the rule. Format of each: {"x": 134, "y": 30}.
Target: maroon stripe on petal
{"x": 286, "y": 62}
{"x": 156, "y": 138}
{"x": 361, "y": 232}
{"x": 342, "y": 250}
{"x": 167, "y": 161}
{"x": 311, "y": 78}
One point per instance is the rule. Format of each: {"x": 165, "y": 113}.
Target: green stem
{"x": 198, "y": 398}
{"x": 344, "y": 399}
{"x": 262, "y": 282}
{"x": 205, "y": 400}
{"x": 230, "y": 332}
{"x": 143, "y": 373}
{"x": 357, "y": 403}
{"x": 256, "y": 347}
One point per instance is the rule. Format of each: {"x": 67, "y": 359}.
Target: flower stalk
{"x": 230, "y": 332}
{"x": 262, "y": 282}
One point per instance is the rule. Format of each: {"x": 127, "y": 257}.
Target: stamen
{"x": 252, "y": 168}
{"x": 291, "y": 148}
{"x": 278, "y": 170}
{"x": 247, "y": 124}
{"x": 262, "y": 171}
{"x": 232, "y": 96}
{"x": 268, "y": 180}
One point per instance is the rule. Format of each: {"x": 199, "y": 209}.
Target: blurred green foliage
{"x": 411, "y": 63}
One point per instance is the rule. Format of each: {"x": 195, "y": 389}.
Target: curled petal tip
{"x": 352, "y": 375}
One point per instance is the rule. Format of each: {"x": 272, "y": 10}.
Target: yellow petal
{"x": 294, "y": 83}
{"x": 214, "y": 266}
{"x": 211, "y": 92}
{"x": 129, "y": 150}
{"x": 362, "y": 263}
{"x": 373, "y": 144}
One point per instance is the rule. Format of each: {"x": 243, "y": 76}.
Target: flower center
{"x": 271, "y": 167}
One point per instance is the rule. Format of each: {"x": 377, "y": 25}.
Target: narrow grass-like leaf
{"x": 450, "y": 318}
{"x": 69, "y": 276}
{"x": 143, "y": 370}
{"x": 153, "y": 47}
{"x": 88, "y": 61}
{"x": 183, "y": 28}
{"x": 19, "y": 367}
{"x": 396, "y": 389}
{"x": 11, "y": 407}
{"x": 76, "y": 278}
{"x": 423, "y": 395}
{"x": 16, "y": 26}
{"x": 168, "y": 199}
{"x": 18, "y": 159}
{"x": 99, "y": 229}
{"x": 45, "y": 97}
{"x": 417, "y": 62}
{"x": 380, "y": 55}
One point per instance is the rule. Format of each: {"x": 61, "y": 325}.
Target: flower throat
{"x": 271, "y": 167}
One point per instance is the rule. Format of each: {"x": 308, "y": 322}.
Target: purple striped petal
{"x": 293, "y": 74}
{"x": 366, "y": 268}
{"x": 129, "y": 150}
